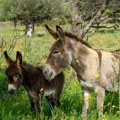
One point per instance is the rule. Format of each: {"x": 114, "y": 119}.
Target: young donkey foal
{"x": 95, "y": 69}
{"x": 34, "y": 82}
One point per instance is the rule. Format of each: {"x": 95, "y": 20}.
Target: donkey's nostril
{"x": 45, "y": 72}
{"x": 12, "y": 91}
{"x": 48, "y": 72}
{"x": 51, "y": 74}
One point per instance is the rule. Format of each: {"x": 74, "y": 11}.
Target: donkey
{"x": 96, "y": 70}
{"x": 34, "y": 82}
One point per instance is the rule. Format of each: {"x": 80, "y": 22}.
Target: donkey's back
{"x": 110, "y": 70}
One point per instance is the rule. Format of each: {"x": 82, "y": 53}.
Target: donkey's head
{"x": 14, "y": 72}
{"x": 59, "y": 56}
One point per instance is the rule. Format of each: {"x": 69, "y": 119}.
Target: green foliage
{"x": 111, "y": 13}
{"x": 108, "y": 12}
{"x": 2, "y": 17}
{"x": 89, "y": 8}
{"x": 66, "y": 9}
{"x": 31, "y": 9}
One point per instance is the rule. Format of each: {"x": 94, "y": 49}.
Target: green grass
{"x": 35, "y": 51}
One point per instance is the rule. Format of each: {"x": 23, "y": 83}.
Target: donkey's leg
{"x": 85, "y": 103}
{"x": 32, "y": 105}
{"x": 57, "y": 102}
{"x": 38, "y": 103}
{"x": 58, "y": 92}
{"x": 57, "y": 96}
{"x": 100, "y": 100}
{"x": 54, "y": 99}
{"x": 50, "y": 99}
{"x": 35, "y": 100}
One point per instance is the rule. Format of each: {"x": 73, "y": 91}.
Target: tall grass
{"x": 35, "y": 51}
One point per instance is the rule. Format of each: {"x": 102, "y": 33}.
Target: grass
{"x": 35, "y": 51}
{"x": 107, "y": 40}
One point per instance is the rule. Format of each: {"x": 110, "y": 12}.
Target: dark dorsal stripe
{"x": 99, "y": 56}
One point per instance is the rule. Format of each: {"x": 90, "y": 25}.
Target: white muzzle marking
{"x": 49, "y": 92}
{"x": 11, "y": 87}
{"x": 50, "y": 73}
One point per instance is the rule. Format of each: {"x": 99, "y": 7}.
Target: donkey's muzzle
{"x": 12, "y": 91}
{"x": 48, "y": 72}
{"x": 12, "y": 88}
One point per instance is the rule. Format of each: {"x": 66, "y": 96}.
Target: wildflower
{"x": 104, "y": 118}
{"x": 97, "y": 75}
{"x": 41, "y": 91}
{"x": 88, "y": 97}
{"x": 77, "y": 61}
{"x": 94, "y": 56}
{"x": 113, "y": 106}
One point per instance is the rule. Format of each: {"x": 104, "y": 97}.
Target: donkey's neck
{"x": 28, "y": 70}
{"x": 30, "y": 75}
{"x": 83, "y": 57}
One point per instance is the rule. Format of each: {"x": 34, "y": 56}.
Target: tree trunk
{"x": 15, "y": 23}
{"x": 96, "y": 27}
{"x": 29, "y": 28}
{"x": 76, "y": 18}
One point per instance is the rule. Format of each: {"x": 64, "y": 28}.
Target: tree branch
{"x": 93, "y": 20}
{"x": 114, "y": 26}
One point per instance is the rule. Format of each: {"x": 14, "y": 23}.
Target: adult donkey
{"x": 33, "y": 80}
{"x": 95, "y": 69}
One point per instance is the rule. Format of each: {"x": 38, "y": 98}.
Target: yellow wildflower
{"x": 104, "y": 118}
{"x": 97, "y": 75}
{"x": 77, "y": 61}
{"x": 94, "y": 56}
{"x": 41, "y": 91}
{"x": 113, "y": 106}
{"x": 88, "y": 97}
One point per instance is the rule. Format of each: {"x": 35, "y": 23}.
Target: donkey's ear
{"x": 8, "y": 59}
{"x": 53, "y": 33}
{"x": 60, "y": 32}
{"x": 18, "y": 58}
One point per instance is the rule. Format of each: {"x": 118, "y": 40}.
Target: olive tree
{"x": 92, "y": 13}
{"x": 31, "y": 11}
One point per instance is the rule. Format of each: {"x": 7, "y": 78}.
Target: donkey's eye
{"x": 55, "y": 52}
{"x": 16, "y": 76}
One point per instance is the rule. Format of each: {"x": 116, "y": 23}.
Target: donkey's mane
{"x": 74, "y": 37}
{"x": 27, "y": 65}
{"x": 30, "y": 67}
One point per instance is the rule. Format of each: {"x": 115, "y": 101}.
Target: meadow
{"x": 35, "y": 51}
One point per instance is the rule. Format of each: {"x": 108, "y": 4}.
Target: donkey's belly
{"x": 49, "y": 92}
{"x": 112, "y": 87}
{"x": 87, "y": 85}
{"x": 110, "y": 81}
